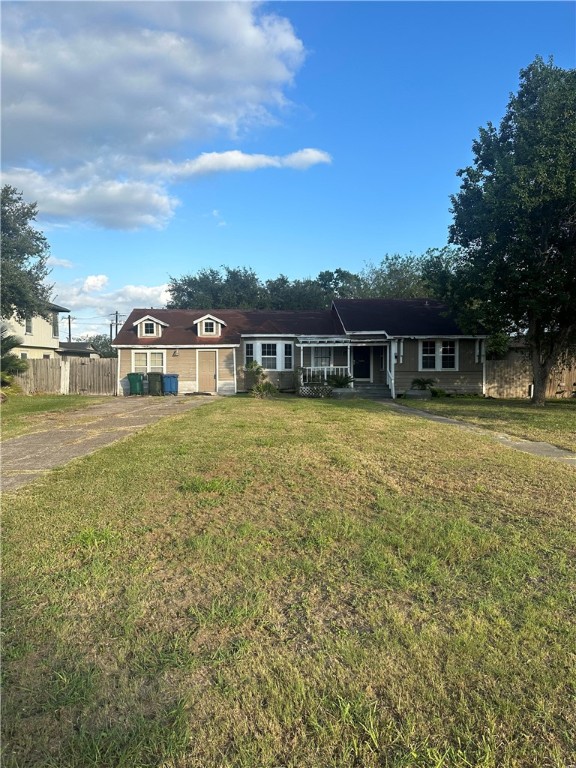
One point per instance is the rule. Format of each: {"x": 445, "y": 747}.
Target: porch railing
{"x": 317, "y": 375}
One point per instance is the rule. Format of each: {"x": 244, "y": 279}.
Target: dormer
{"x": 209, "y": 326}
{"x": 149, "y": 327}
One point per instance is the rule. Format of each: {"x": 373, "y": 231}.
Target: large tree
{"x": 396, "y": 277}
{"x": 515, "y": 223}
{"x": 24, "y": 292}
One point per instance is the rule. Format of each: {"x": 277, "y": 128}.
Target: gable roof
{"x": 396, "y": 317}
{"x": 181, "y": 326}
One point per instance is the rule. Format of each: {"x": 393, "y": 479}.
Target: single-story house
{"x": 381, "y": 343}
{"x": 40, "y": 336}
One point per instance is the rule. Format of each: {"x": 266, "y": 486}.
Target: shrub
{"x": 422, "y": 383}
{"x": 339, "y": 381}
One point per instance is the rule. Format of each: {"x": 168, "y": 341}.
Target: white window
{"x": 23, "y": 355}
{"x": 269, "y": 359}
{"x": 148, "y": 329}
{"x": 209, "y": 328}
{"x": 28, "y": 325}
{"x": 271, "y": 355}
{"x": 438, "y": 355}
{"x": 148, "y": 362}
{"x": 55, "y": 329}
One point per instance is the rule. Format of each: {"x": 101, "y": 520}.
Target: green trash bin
{"x": 154, "y": 383}
{"x": 136, "y": 382}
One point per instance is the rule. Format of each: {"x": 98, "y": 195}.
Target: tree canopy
{"x": 232, "y": 288}
{"x": 24, "y": 269}
{"x": 515, "y": 223}
{"x": 101, "y": 343}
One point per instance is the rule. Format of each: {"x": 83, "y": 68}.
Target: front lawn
{"x": 298, "y": 583}
{"x": 22, "y": 414}
{"x": 554, "y": 423}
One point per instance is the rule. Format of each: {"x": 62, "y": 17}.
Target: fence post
{"x": 64, "y": 376}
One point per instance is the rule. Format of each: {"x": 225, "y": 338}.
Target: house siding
{"x": 37, "y": 344}
{"x": 183, "y": 364}
{"x": 466, "y": 380}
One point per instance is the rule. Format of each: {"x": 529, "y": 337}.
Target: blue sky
{"x": 159, "y": 138}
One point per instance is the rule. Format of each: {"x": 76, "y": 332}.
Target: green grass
{"x": 22, "y": 414}
{"x": 554, "y": 423}
{"x": 299, "y": 583}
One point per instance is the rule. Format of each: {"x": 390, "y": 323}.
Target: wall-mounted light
{"x": 176, "y": 353}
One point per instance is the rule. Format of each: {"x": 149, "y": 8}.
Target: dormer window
{"x": 149, "y": 327}
{"x": 208, "y": 325}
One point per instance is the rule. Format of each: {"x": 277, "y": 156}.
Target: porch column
{"x": 349, "y": 368}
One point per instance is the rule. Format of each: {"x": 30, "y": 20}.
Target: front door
{"x": 207, "y": 371}
{"x": 361, "y": 362}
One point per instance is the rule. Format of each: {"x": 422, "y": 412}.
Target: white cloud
{"x": 234, "y": 160}
{"x": 85, "y": 197}
{"x": 52, "y": 261}
{"x": 94, "y": 283}
{"x": 126, "y": 84}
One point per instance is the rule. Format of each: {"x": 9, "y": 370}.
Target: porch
{"x": 365, "y": 366}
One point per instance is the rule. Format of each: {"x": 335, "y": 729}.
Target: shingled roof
{"x": 397, "y": 317}
{"x": 181, "y": 330}
{"x": 386, "y": 317}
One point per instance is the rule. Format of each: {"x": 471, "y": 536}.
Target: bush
{"x": 422, "y": 383}
{"x": 256, "y": 380}
{"x": 264, "y": 389}
{"x": 339, "y": 381}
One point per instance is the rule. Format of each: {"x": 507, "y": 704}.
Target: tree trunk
{"x": 540, "y": 383}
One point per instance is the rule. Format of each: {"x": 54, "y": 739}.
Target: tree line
{"x": 396, "y": 276}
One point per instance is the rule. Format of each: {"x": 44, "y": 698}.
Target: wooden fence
{"x": 78, "y": 376}
{"x": 513, "y": 378}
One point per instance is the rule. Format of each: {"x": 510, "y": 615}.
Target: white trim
{"x": 234, "y": 364}
{"x": 438, "y": 355}
{"x": 175, "y": 346}
{"x": 148, "y": 352}
{"x": 149, "y": 317}
{"x": 209, "y": 317}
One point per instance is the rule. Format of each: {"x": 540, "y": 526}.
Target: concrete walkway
{"x": 66, "y": 435}
{"x": 544, "y": 450}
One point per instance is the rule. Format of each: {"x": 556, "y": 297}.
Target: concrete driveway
{"x": 68, "y": 435}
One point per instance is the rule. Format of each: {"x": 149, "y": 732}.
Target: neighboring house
{"x": 382, "y": 343}
{"x": 69, "y": 349}
{"x": 40, "y": 336}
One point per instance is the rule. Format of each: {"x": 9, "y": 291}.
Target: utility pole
{"x": 114, "y": 323}
{"x": 69, "y": 328}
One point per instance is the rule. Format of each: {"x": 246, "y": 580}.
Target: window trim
{"x": 148, "y": 353}
{"x": 280, "y": 355}
{"x": 213, "y": 332}
{"x": 438, "y": 349}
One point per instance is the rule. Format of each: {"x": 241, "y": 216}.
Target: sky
{"x": 159, "y": 138}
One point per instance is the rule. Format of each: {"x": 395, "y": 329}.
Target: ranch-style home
{"x": 383, "y": 344}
